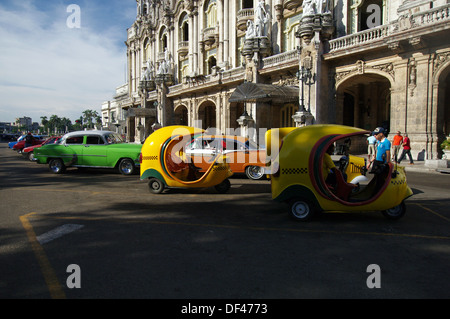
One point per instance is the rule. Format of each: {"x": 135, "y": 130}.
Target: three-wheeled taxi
{"x": 297, "y": 156}
{"x": 165, "y": 164}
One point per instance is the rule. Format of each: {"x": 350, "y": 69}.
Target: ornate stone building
{"x": 241, "y": 64}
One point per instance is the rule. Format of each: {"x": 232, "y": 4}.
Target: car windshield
{"x": 114, "y": 138}
{"x": 251, "y": 145}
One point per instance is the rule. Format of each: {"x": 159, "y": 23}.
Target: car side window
{"x": 94, "y": 140}
{"x": 74, "y": 140}
{"x": 195, "y": 144}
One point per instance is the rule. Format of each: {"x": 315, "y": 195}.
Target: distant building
{"x": 24, "y": 121}
{"x": 275, "y": 63}
{"x": 5, "y": 127}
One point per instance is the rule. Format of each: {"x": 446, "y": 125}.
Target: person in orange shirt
{"x": 397, "y": 143}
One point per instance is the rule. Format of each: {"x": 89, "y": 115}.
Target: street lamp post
{"x": 156, "y": 125}
{"x": 304, "y": 116}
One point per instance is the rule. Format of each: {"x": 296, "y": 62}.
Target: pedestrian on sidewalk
{"x": 406, "y": 150}
{"x": 371, "y": 141}
{"x": 397, "y": 143}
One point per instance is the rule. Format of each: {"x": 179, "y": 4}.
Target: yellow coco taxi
{"x": 165, "y": 165}
{"x": 297, "y": 156}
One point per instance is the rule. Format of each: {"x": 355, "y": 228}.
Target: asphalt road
{"x": 106, "y": 236}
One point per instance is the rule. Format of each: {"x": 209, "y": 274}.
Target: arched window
{"x": 290, "y": 27}
{"x": 366, "y": 14}
{"x": 163, "y": 39}
{"x": 291, "y": 39}
{"x": 370, "y": 14}
{"x": 146, "y": 49}
{"x": 247, "y": 4}
{"x": 211, "y": 13}
{"x": 184, "y": 27}
{"x": 211, "y": 63}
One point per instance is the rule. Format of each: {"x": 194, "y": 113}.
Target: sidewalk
{"x": 419, "y": 166}
{"x": 427, "y": 166}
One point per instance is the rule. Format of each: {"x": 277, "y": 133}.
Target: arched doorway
{"x": 443, "y": 108}
{"x": 348, "y": 109}
{"x": 236, "y": 111}
{"x": 366, "y": 101}
{"x": 181, "y": 115}
{"x": 207, "y": 115}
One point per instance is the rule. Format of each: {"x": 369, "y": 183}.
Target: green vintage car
{"x": 99, "y": 149}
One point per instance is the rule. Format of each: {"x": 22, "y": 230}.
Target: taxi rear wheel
{"x": 254, "y": 172}
{"x": 155, "y": 186}
{"x": 301, "y": 209}
{"x": 223, "y": 187}
{"x": 396, "y": 212}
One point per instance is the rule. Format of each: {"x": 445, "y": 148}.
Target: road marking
{"x": 433, "y": 212}
{"x": 57, "y": 233}
{"x": 296, "y": 230}
{"x": 54, "y": 287}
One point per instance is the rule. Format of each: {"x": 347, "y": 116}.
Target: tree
{"x": 66, "y": 124}
{"x": 54, "y": 123}
{"x": 90, "y": 117}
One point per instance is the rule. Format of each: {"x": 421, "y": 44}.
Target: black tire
{"x": 126, "y": 167}
{"x": 301, "y": 209}
{"x": 396, "y": 212}
{"x": 155, "y": 185}
{"x": 254, "y": 172}
{"x": 224, "y": 186}
{"x": 56, "y": 166}
{"x": 30, "y": 156}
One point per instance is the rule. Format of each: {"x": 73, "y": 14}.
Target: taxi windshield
{"x": 113, "y": 138}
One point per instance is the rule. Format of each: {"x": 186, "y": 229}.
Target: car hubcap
{"x": 56, "y": 166}
{"x": 395, "y": 211}
{"x": 300, "y": 210}
{"x": 255, "y": 172}
{"x": 127, "y": 167}
{"x": 154, "y": 185}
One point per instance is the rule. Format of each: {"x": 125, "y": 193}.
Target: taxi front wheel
{"x": 155, "y": 186}
{"x": 301, "y": 209}
{"x": 396, "y": 212}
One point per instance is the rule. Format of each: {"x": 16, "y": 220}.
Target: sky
{"x": 61, "y": 57}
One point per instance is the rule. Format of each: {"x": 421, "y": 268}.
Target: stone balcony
{"x": 407, "y": 29}
{"x": 209, "y": 35}
{"x": 292, "y": 4}
{"x": 183, "y": 48}
{"x": 243, "y": 16}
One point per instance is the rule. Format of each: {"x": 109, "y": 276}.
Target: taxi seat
{"x": 342, "y": 189}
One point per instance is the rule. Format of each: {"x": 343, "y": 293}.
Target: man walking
{"x": 371, "y": 141}
{"x": 406, "y": 150}
{"x": 397, "y": 142}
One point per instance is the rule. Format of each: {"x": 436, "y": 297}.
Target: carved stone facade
{"x": 363, "y": 63}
